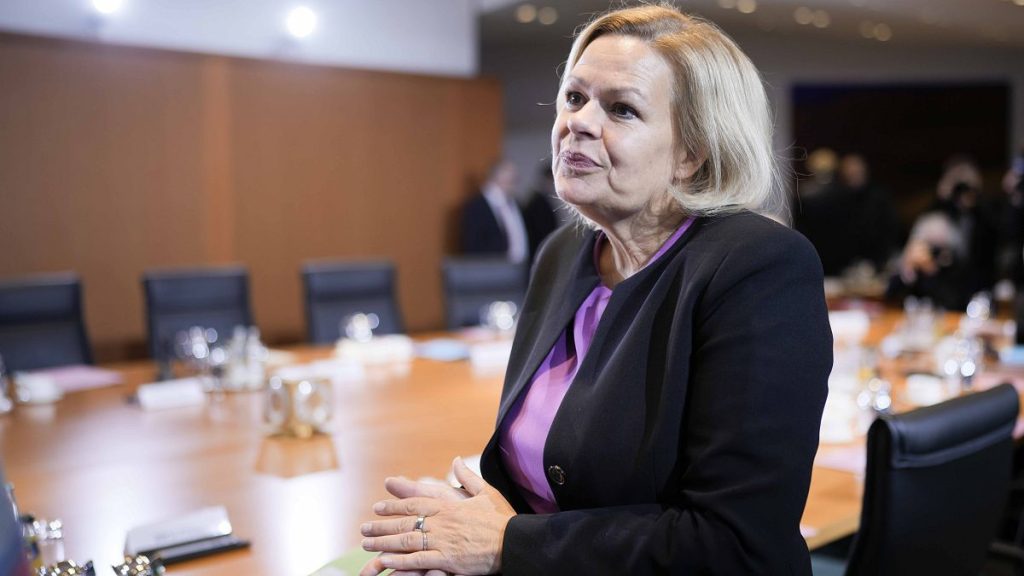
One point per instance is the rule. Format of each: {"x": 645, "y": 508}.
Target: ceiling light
{"x": 547, "y": 16}
{"x": 883, "y": 32}
{"x": 107, "y": 6}
{"x": 747, "y": 6}
{"x": 1019, "y": 2}
{"x": 867, "y": 29}
{"x": 803, "y": 15}
{"x": 821, "y": 19}
{"x": 526, "y": 13}
{"x": 727, "y": 4}
{"x": 301, "y": 22}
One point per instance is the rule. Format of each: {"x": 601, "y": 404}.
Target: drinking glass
{"x": 499, "y": 316}
{"x": 359, "y": 326}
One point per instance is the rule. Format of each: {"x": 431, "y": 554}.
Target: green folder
{"x": 348, "y": 565}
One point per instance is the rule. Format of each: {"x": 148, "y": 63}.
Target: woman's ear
{"x": 687, "y": 165}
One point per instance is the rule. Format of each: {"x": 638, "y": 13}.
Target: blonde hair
{"x": 720, "y": 108}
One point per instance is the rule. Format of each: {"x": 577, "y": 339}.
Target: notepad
{"x": 348, "y": 564}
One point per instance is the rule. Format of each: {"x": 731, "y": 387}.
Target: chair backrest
{"x": 336, "y": 290}
{"x": 935, "y": 485}
{"x": 41, "y": 323}
{"x": 176, "y": 300}
{"x": 470, "y": 284}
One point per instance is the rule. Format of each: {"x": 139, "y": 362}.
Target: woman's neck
{"x": 631, "y": 245}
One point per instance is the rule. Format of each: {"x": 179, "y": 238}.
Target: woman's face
{"x": 612, "y": 146}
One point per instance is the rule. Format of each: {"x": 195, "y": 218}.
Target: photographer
{"x": 951, "y": 252}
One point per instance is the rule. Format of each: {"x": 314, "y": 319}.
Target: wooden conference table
{"x": 103, "y": 465}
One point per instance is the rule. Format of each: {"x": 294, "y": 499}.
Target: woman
{"x": 662, "y": 401}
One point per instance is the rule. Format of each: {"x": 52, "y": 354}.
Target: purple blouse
{"x": 525, "y": 428}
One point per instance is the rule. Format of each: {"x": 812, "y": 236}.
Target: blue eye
{"x": 623, "y": 111}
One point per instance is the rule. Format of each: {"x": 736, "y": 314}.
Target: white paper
{"x": 849, "y": 326}
{"x": 337, "y": 370}
{"x": 171, "y": 394}
{"x": 490, "y": 356}
{"x": 386, "y": 349}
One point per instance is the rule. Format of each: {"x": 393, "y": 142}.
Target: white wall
{"x": 529, "y": 75}
{"x": 437, "y": 37}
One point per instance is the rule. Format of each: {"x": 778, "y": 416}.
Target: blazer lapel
{"x": 552, "y": 322}
{"x": 543, "y": 327}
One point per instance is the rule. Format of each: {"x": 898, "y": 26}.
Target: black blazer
{"x": 686, "y": 441}
{"x": 481, "y": 233}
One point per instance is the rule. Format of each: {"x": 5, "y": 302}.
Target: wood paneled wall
{"x": 114, "y": 160}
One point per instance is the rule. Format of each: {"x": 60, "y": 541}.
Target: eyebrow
{"x": 615, "y": 91}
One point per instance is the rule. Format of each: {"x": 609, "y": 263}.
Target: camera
{"x": 941, "y": 255}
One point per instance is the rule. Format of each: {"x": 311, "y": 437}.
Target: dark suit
{"x": 847, "y": 225}
{"x": 481, "y": 233}
{"x": 540, "y": 220}
{"x": 685, "y": 444}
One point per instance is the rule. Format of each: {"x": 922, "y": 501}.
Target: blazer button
{"x": 556, "y": 475}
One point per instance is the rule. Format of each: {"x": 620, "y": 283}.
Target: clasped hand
{"x": 462, "y": 531}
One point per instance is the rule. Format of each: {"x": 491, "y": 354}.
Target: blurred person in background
{"x": 539, "y": 210}
{"x": 663, "y": 397}
{"x": 812, "y": 208}
{"x": 492, "y": 221}
{"x": 872, "y": 220}
{"x": 849, "y": 219}
{"x": 1013, "y": 180}
{"x": 821, "y": 166}
{"x": 1011, "y": 263}
{"x": 951, "y": 252}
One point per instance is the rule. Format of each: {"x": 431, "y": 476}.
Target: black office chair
{"x": 335, "y": 290}
{"x": 935, "y": 485}
{"x": 176, "y": 300}
{"x": 41, "y": 322}
{"x": 470, "y": 284}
